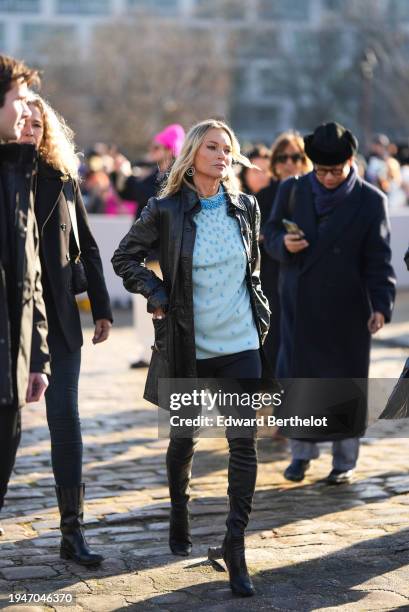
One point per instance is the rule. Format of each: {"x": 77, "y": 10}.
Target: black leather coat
{"x": 167, "y": 223}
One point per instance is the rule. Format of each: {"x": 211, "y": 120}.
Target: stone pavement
{"x": 310, "y": 547}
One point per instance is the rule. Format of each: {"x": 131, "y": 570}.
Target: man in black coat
{"x": 337, "y": 286}
{"x": 23, "y": 329}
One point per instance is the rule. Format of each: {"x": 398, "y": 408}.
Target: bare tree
{"x": 148, "y": 75}
{"x": 139, "y": 76}
{"x": 355, "y": 71}
{"x": 144, "y": 72}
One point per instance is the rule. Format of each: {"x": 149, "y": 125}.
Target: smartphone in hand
{"x": 292, "y": 228}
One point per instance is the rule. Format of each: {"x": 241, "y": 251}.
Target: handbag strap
{"x": 70, "y": 199}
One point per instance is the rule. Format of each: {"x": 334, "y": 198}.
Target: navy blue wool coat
{"x": 329, "y": 290}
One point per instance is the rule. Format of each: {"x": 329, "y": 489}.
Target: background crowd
{"x": 112, "y": 184}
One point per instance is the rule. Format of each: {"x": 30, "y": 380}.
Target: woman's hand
{"x": 376, "y": 322}
{"x": 37, "y": 384}
{"x": 294, "y": 244}
{"x": 102, "y": 329}
{"x": 158, "y": 314}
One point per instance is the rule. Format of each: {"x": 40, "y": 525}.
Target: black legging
{"x": 61, "y": 400}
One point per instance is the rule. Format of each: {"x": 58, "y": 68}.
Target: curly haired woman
{"x": 64, "y": 234}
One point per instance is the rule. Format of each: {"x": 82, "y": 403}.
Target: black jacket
{"x": 269, "y": 269}
{"x": 328, "y": 291}
{"x": 141, "y": 190}
{"x": 23, "y": 327}
{"x": 265, "y": 199}
{"x": 168, "y": 223}
{"x": 57, "y": 247}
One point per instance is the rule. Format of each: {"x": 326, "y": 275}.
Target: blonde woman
{"x": 57, "y": 202}
{"x": 209, "y": 313}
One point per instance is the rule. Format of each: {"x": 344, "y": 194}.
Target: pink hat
{"x": 172, "y": 138}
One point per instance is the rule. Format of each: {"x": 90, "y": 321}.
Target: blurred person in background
{"x": 252, "y": 180}
{"x": 209, "y": 313}
{"x": 24, "y": 359}
{"x": 383, "y": 170}
{"x": 96, "y": 185}
{"x": 361, "y": 165}
{"x": 377, "y": 168}
{"x": 287, "y": 159}
{"x": 337, "y": 285}
{"x": 165, "y": 147}
{"x": 396, "y": 193}
{"x": 403, "y": 157}
{"x": 66, "y": 244}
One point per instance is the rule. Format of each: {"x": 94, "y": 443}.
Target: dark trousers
{"x": 10, "y": 435}
{"x": 246, "y": 364}
{"x": 63, "y": 421}
{"x": 62, "y": 415}
{"x": 242, "y": 469}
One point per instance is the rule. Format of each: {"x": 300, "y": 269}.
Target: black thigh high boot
{"x": 179, "y": 459}
{"x": 73, "y": 543}
{"x": 242, "y": 481}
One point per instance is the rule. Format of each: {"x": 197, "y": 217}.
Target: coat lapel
{"x": 234, "y": 199}
{"x": 49, "y": 188}
{"x": 187, "y": 202}
{"x": 338, "y": 221}
{"x": 235, "y": 205}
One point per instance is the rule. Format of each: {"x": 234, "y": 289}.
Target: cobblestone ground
{"x": 310, "y": 547}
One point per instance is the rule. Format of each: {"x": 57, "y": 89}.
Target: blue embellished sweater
{"x": 223, "y": 317}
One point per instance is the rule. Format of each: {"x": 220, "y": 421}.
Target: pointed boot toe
{"x": 234, "y": 557}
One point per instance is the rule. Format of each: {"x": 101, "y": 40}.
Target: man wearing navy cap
{"x": 337, "y": 285}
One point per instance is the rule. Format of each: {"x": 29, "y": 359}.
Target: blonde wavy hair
{"x": 185, "y": 160}
{"x": 57, "y": 147}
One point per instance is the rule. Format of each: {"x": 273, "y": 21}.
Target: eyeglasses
{"x": 322, "y": 172}
{"x": 295, "y": 158}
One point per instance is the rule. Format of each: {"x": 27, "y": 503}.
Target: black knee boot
{"x": 179, "y": 459}
{"x": 242, "y": 481}
{"x": 73, "y": 543}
